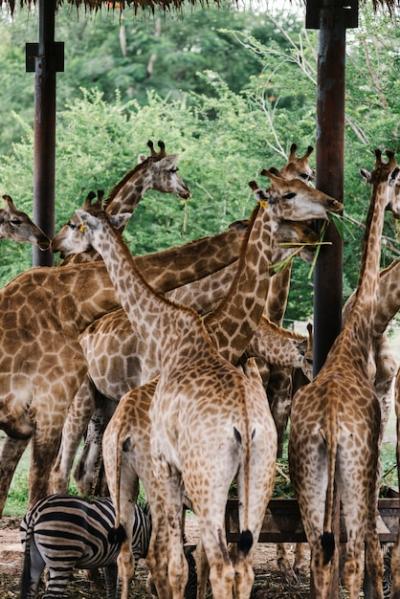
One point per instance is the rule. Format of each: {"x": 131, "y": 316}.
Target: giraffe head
{"x": 293, "y": 199}
{"x": 297, "y": 167}
{"x": 387, "y": 175}
{"x": 161, "y": 171}
{"x": 87, "y": 225}
{"x": 16, "y": 225}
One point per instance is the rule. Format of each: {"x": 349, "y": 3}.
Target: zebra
{"x": 62, "y": 532}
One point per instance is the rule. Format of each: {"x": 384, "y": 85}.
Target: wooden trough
{"x": 282, "y": 522}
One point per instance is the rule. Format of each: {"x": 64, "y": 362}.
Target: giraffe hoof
{"x": 300, "y": 569}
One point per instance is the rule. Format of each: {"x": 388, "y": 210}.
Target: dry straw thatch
{"x": 94, "y": 5}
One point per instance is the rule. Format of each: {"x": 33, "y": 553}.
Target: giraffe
{"x": 83, "y": 406}
{"x": 98, "y": 232}
{"x": 17, "y": 226}
{"x": 37, "y": 320}
{"x": 395, "y": 562}
{"x": 335, "y": 422}
{"x": 158, "y": 171}
{"x": 127, "y": 456}
{"x": 113, "y": 334}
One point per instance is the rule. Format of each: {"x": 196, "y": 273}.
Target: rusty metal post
{"x": 330, "y": 166}
{"x": 45, "y": 59}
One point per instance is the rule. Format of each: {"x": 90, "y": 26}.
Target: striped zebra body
{"x": 63, "y": 533}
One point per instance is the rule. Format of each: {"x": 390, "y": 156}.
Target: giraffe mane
{"x": 154, "y": 157}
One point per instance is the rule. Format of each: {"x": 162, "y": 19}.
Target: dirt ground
{"x": 270, "y": 583}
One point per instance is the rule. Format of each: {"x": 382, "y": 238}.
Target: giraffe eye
{"x": 174, "y": 170}
{"x": 71, "y": 225}
{"x": 15, "y": 221}
{"x": 304, "y": 176}
{"x": 289, "y": 196}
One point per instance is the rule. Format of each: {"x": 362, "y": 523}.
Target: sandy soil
{"x": 270, "y": 583}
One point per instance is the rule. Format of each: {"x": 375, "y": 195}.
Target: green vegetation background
{"x": 228, "y": 90}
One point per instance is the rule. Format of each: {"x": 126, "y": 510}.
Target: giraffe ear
{"x": 119, "y": 221}
{"x": 8, "y": 203}
{"x": 366, "y": 175}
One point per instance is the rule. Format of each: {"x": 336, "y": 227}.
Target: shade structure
{"x": 94, "y": 5}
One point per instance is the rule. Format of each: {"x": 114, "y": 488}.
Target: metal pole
{"x": 330, "y": 160}
{"x": 330, "y": 167}
{"x": 45, "y": 129}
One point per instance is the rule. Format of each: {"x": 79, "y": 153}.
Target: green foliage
{"x": 99, "y": 141}
{"x": 228, "y": 90}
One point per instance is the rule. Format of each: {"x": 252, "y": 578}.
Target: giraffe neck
{"x": 124, "y": 197}
{"x": 389, "y": 297}
{"x": 127, "y": 194}
{"x": 368, "y": 287}
{"x": 156, "y": 320}
{"x": 233, "y": 323}
{"x": 278, "y": 295}
{"x": 283, "y": 347}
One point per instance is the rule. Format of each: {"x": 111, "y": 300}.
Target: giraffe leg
{"x": 177, "y": 564}
{"x": 300, "y": 563}
{"x": 255, "y": 486}
{"x": 157, "y": 555}
{"x": 45, "y": 445}
{"x": 355, "y": 514}
{"x": 123, "y": 499}
{"x": 282, "y": 560}
{"x": 11, "y": 453}
{"x": 395, "y": 568}
{"x": 75, "y": 425}
{"x": 202, "y": 570}
{"x": 279, "y": 394}
{"x": 312, "y": 496}
{"x": 373, "y": 552}
{"x": 222, "y": 573}
{"x": 88, "y": 471}
{"x": 374, "y": 563}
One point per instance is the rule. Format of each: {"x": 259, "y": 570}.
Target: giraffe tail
{"x": 117, "y": 535}
{"x": 245, "y": 540}
{"x": 328, "y": 538}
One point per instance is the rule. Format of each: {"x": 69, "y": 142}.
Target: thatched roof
{"x": 94, "y": 5}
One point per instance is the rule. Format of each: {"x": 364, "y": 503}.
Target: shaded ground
{"x": 269, "y": 581}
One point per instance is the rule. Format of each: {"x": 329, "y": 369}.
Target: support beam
{"x": 47, "y": 58}
{"x": 330, "y": 166}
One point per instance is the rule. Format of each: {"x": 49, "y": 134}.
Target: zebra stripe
{"x": 63, "y": 532}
